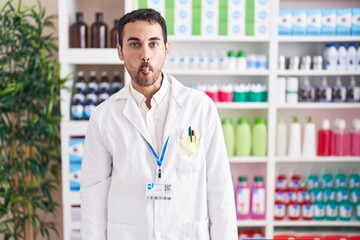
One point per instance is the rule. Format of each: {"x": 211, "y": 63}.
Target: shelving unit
{"x": 272, "y": 46}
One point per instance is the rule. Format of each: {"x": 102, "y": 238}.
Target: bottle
{"x": 243, "y": 138}
{"x": 340, "y": 179}
{"x": 326, "y": 55}
{"x": 116, "y": 83}
{"x": 114, "y": 35}
{"x": 327, "y": 179}
{"x": 212, "y": 91}
{"x": 305, "y": 63}
{"x": 351, "y": 57}
{"x": 345, "y": 210}
{"x": 357, "y": 67}
{"x": 342, "y": 57}
{"x": 89, "y": 107}
{"x": 307, "y": 92}
{"x": 258, "y": 198}
{"x": 331, "y": 57}
{"x": 77, "y": 110}
{"x": 353, "y": 91}
{"x": 280, "y": 188}
{"x": 328, "y": 194}
{"x": 229, "y": 135}
{"x": 281, "y": 95}
{"x": 281, "y": 138}
{"x": 339, "y": 91}
{"x": 325, "y": 137}
{"x": 341, "y": 139}
{"x": 241, "y": 60}
{"x": 78, "y": 32}
{"x": 323, "y": 92}
{"x": 354, "y": 179}
{"x": 294, "y": 149}
{"x": 243, "y": 198}
{"x": 307, "y": 210}
{"x": 104, "y": 85}
{"x": 279, "y": 211}
{"x": 226, "y": 93}
{"x": 355, "y": 138}
{"x": 259, "y": 138}
{"x": 99, "y": 32}
{"x": 251, "y": 62}
{"x": 309, "y": 144}
{"x": 231, "y": 60}
{"x": 331, "y": 211}
{"x": 319, "y": 210}
{"x": 317, "y": 63}
{"x": 93, "y": 85}
{"x": 80, "y": 84}
{"x": 313, "y": 180}
{"x": 292, "y": 90}
{"x": 293, "y": 210}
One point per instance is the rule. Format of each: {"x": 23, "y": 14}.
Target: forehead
{"x": 142, "y": 30}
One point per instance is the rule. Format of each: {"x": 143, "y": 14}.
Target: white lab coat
{"x": 118, "y": 162}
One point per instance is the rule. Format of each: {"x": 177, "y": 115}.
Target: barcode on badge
{"x": 158, "y": 198}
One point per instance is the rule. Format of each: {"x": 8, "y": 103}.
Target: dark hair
{"x": 147, "y": 14}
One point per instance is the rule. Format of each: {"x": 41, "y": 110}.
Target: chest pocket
{"x": 189, "y": 156}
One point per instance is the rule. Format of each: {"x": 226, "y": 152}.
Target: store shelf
{"x": 248, "y": 159}
{"x": 251, "y": 223}
{"x": 217, "y": 39}
{"x": 236, "y": 105}
{"x": 300, "y": 39}
{"x": 90, "y": 56}
{"x": 317, "y": 105}
{"x": 318, "y": 73}
{"x": 212, "y": 72}
{"x": 317, "y": 223}
{"x": 317, "y": 160}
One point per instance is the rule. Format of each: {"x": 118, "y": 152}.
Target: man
{"x": 155, "y": 163}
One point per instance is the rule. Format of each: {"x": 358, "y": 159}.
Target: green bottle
{"x": 259, "y": 138}
{"x": 345, "y": 210}
{"x": 229, "y": 135}
{"x": 332, "y": 210}
{"x": 243, "y": 138}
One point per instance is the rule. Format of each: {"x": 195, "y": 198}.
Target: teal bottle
{"x": 259, "y": 138}
{"x": 229, "y": 135}
{"x": 243, "y": 138}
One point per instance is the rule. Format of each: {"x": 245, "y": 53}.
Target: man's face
{"x": 143, "y": 51}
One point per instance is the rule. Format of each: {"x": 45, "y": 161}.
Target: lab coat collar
{"x": 174, "y": 111}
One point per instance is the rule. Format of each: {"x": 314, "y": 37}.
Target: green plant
{"x": 30, "y": 84}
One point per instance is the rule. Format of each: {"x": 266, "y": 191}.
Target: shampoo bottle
{"x": 309, "y": 145}
{"x": 295, "y": 139}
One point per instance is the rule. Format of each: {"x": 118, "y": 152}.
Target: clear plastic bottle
{"x": 258, "y": 198}
{"x": 243, "y": 198}
{"x": 99, "y": 32}
{"x": 78, "y": 32}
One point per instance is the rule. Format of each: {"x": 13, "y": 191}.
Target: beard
{"x": 145, "y": 80}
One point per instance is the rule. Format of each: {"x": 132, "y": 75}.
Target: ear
{"x": 119, "y": 50}
{"x": 167, "y": 49}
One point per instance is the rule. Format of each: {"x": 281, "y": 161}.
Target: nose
{"x": 145, "y": 59}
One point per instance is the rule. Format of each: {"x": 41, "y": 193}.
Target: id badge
{"x": 158, "y": 191}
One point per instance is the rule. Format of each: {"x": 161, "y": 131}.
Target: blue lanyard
{"x": 159, "y": 161}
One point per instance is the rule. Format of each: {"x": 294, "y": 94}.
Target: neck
{"x": 149, "y": 91}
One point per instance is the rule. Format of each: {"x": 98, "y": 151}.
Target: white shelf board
{"x": 249, "y": 159}
{"x": 236, "y": 105}
{"x": 216, "y": 72}
{"x": 74, "y": 127}
{"x": 74, "y": 197}
{"x": 251, "y": 223}
{"x": 218, "y": 39}
{"x": 317, "y": 159}
{"x": 317, "y": 223}
{"x": 299, "y": 39}
{"x": 90, "y": 56}
{"x": 318, "y": 105}
{"x": 318, "y": 73}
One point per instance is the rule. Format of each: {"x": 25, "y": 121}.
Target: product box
{"x": 76, "y": 149}
{"x": 157, "y": 5}
{"x": 236, "y": 22}
{"x": 285, "y": 22}
{"x": 299, "y": 22}
{"x": 209, "y": 22}
{"x": 355, "y": 28}
{"x": 75, "y": 174}
{"x": 344, "y": 22}
{"x": 313, "y": 22}
{"x": 262, "y": 29}
{"x": 183, "y": 21}
{"x": 328, "y": 23}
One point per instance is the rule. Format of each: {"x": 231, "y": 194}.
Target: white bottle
{"x": 357, "y": 65}
{"x": 193, "y": 60}
{"x": 281, "y": 138}
{"x": 294, "y": 149}
{"x": 332, "y": 58}
{"x": 241, "y": 61}
{"x": 281, "y": 91}
{"x": 213, "y": 61}
{"x": 342, "y": 57}
{"x": 351, "y": 57}
{"x": 203, "y": 60}
{"x": 292, "y": 90}
{"x": 309, "y": 144}
{"x": 222, "y": 60}
{"x": 231, "y": 60}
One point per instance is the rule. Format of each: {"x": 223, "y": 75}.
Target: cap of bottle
{"x": 242, "y": 179}
{"x": 356, "y": 124}
{"x": 326, "y": 124}
{"x": 340, "y": 123}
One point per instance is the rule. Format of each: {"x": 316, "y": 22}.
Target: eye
{"x": 134, "y": 44}
{"x": 154, "y": 44}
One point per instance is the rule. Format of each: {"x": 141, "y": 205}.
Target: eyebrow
{"x": 137, "y": 39}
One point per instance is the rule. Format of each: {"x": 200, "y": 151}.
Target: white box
{"x": 355, "y": 28}
{"x": 209, "y": 22}
{"x": 262, "y": 29}
{"x": 343, "y": 23}
{"x": 262, "y": 4}
{"x": 299, "y": 24}
{"x": 183, "y": 22}
{"x": 313, "y": 22}
{"x": 328, "y": 22}
{"x": 285, "y": 22}
{"x": 210, "y": 4}
{"x": 158, "y": 5}
{"x": 262, "y": 15}
{"x": 236, "y": 22}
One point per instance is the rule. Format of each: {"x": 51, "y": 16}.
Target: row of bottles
{"x": 244, "y": 140}
{"x": 328, "y": 198}
{"x": 342, "y": 58}
{"x": 324, "y": 142}
{"x": 89, "y": 93}
{"x": 254, "y": 92}
{"x": 98, "y": 33}
{"x": 250, "y": 199}
{"x": 290, "y": 91}
{"x": 245, "y": 234}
